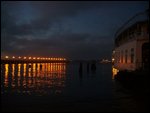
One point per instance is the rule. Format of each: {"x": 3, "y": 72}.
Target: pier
{"x": 13, "y": 59}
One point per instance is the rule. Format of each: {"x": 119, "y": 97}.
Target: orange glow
{"x": 19, "y": 57}
{"x": 29, "y": 57}
{"x": 113, "y": 59}
{"x": 38, "y": 58}
{"x": 6, "y": 74}
{"x": 13, "y": 57}
{"x": 24, "y": 57}
{"x": 19, "y": 66}
{"x": 114, "y": 72}
{"x": 13, "y": 69}
{"x": 24, "y": 69}
{"x": 6, "y": 56}
{"x": 34, "y": 58}
{"x": 19, "y": 76}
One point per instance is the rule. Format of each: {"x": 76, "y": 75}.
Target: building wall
{"x": 139, "y": 36}
{"x": 140, "y": 41}
{"x": 119, "y": 62}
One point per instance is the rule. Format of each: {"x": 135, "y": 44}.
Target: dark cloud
{"x": 73, "y": 46}
{"x": 42, "y": 28}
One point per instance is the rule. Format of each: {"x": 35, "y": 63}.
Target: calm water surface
{"x": 60, "y": 87}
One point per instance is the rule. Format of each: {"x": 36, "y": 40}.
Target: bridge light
{"x": 6, "y": 56}
{"x": 29, "y": 57}
{"x": 19, "y": 57}
{"x": 34, "y": 57}
{"x": 38, "y": 58}
{"x": 13, "y": 57}
{"x": 24, "y": 57}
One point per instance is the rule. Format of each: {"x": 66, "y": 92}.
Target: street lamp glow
{"x": 19, "y": 57}
{"x": 113, "y": 59}
{"x": 24, "y": 57}
{"x": 13, "y": 57}
{"x": 6, "y": 56}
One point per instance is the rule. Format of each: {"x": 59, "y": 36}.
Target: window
{"x": 126, "y": 56}
{"x": 132, "y": 55}
{"x": 122, "y": 56}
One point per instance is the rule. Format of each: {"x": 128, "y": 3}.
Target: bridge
{"x": 20, "y": 59}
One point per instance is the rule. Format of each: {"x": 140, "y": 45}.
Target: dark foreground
{"x": 70, "y": 90}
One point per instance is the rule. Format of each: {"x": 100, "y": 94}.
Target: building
{"x": 131, "y": 51}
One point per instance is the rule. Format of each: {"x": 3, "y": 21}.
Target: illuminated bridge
{"x": 13, "y": 59}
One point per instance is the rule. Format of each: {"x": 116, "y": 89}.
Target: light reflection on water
{"x": 57, "y": 84}
{"x": 33, "y": 78}
{"x": 114, "y": 72}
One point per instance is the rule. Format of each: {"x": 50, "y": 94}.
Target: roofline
{"x": 117, "y": 33}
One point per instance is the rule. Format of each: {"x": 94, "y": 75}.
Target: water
{"x": 61, "y": 87}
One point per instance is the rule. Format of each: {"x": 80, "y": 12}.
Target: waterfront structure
{"x": 131, "y": 51}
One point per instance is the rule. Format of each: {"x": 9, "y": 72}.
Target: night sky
{"x": 75, "y": 30}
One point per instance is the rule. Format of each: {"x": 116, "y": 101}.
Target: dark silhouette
{"x": 93, "y": 67}
{"x": 29, "y": 65}
{"x": 80, "y": 68}
{"x": 88, "y": 67}
{"x": 40, "y": 66}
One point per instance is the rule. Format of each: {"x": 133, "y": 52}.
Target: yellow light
{"x": 34, "y": 57}
{"x": 6, "y": 56}
{"x": 29, "y": 57}
{"x": 24, "y": 57}
{"x": 13, "y": 57}
{"x": 114, "y": 72}
{"x": 113, "y": 59}
{"x": 38, "y": 58}
{"x": 19, "y": 57}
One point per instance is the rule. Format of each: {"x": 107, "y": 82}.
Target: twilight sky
{"x": 71, "y": 29}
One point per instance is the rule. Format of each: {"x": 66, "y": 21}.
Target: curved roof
{"x": 140, "y": 17}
